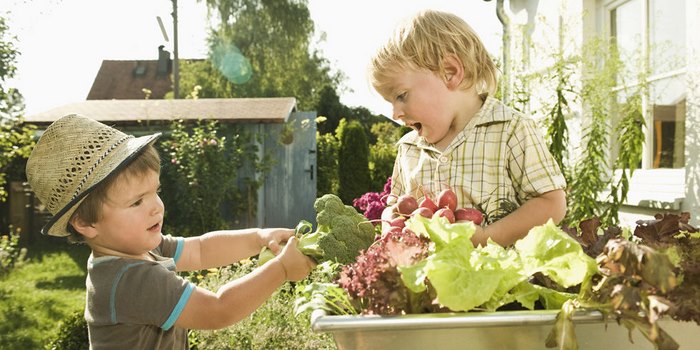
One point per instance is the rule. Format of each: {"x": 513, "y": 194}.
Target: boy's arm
{"x": 517, "y": 224}
{"x": 220, "y": 248}
{"x": 239, "y": 298}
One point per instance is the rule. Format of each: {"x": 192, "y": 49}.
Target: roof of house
{"x": 231, "y": 110}
{"x": 128, "y": 79}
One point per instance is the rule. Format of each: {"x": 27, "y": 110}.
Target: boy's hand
{"x": 272, "y": 238}
{"x": 296, "y": 265}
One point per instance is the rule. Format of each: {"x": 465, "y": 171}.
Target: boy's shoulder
{"x": 495, "y": 111}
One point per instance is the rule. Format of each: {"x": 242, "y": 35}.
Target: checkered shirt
{"x": 498, "y": 162}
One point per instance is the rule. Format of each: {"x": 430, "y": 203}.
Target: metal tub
{"x": 525, "y": 330}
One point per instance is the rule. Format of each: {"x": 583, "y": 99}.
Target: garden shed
{"x": 284, "y": 134}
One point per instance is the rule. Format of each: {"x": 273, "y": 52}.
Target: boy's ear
{"x": 454, "y": 71}
{"x": 83, "y": 227}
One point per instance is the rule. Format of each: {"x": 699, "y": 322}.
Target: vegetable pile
{"x": 424, "y": 261}
{"x": 445, "y": 206}
{"x": 341, "y": 233}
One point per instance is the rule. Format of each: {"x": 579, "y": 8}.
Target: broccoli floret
{"x": 340, "y": 235}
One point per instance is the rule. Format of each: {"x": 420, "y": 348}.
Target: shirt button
{"x": 444, "y": 159}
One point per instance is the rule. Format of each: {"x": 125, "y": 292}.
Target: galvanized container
{"x": 510, "y": 330}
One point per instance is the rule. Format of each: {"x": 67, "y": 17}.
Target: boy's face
{"x": 421, "y": 100}
{"x": 131, "y": 218}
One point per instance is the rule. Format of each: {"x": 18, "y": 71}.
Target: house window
{"x": 651, "y": 35}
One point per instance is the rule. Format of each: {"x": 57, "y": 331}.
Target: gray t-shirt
{"x": 133, "y": 304}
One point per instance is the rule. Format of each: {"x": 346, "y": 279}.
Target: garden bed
{"x": 487, "y": 330}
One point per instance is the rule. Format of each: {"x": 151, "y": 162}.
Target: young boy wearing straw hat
{"x": 102, "y": 187}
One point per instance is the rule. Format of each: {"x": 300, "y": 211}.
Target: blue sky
{"x": 63, "y": 42}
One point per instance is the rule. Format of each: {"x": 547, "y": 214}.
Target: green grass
{"x": 36, "y": 296}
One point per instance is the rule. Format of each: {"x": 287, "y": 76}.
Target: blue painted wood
{"x": 289, "y": 190}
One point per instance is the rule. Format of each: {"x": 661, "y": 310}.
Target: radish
{"x": 447, "y": 213}
{"x": 428, "y": 203}
{"x": 388, "y": 214}
{"x": 399, "y": 222}
{"x": 469, "y": 214}
{"x": 406, "y": 204}
{"x": 424, "y": 212}
{"x": 447, "y": 199}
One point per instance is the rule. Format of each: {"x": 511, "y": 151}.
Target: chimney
{"x": 164, "y": 62}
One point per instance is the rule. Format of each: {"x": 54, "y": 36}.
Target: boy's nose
{"x": 159, "y": 206}
{"x": 397, "y": 113}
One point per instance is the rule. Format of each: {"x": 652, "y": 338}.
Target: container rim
{"x": 321, "y": 322}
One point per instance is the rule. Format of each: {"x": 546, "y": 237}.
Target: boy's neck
{"x": 96, "y": 253}
{"x": 469, "y": 106}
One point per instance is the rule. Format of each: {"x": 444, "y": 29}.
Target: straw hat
{"x": 75, "y": 154}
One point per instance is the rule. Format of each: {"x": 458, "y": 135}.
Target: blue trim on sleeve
{"x": 113, "y": 294}
{"x": 179, "y": 307}
{"x": 178, "y": 250}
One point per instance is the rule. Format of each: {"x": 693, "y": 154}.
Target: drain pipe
{"x": 505, "y": 21}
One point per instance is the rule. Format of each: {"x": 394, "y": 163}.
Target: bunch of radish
{"x": 445, "y": 205}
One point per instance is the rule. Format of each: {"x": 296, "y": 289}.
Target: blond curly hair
{"x": 424, "y": 41}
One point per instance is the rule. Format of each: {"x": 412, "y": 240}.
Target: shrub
{"x": 353, "y": 161}
{"x": 201, "y": 173}
{"x": 272, "y": 326}
{"x": 327, "y": 161}
{"x": 11, "y": 255}
{"x": 72, "y": 333}
{"x": 382, "y": 153}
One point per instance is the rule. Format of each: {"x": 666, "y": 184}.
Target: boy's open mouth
{"x": 154, "y": 227}
{"x": 417, "y": 126}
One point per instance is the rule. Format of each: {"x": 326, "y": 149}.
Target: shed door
{"x": 290, "y": 186}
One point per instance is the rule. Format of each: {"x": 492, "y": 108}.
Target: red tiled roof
{"x": 126, "y": 80}
{"x": 230, "y": 110}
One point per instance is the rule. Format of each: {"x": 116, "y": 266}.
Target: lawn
{"x": 50, "y": 286}
{"x": 36, "y": 296}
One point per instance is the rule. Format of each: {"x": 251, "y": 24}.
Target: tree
{"x": 11, "y": 101}
{"x": 202, "y": 173}
{"x": 329, "y": 106}
{"x": 382, "y": 153}
{"x": 271, "y": 39}
{"x": 327, "y": 146}
{"x": 353, "y": 161}
{"x": 15, "y": 138}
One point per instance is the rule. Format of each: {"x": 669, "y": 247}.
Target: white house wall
{"x": 692, "y": 139}
{"x": 656, "y": 189}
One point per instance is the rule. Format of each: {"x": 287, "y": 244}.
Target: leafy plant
{"x": 353, "y": 159}
{"x": 374, "y": 281}
{"x": 630, "y": 144}
{"x": 11, "y": 254}
{"x": 273, "y": 325}
{"x": 382, "y": 153}
{"x": 373, "y": 203}
{"x": 16, "y": 143}
{"x": 641, "y": 280}
{"x": 72, "y": 333}
{"x": 201, "y": 176}
{"x": 608, "y": 110}
{"x": 327, "y": 146}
